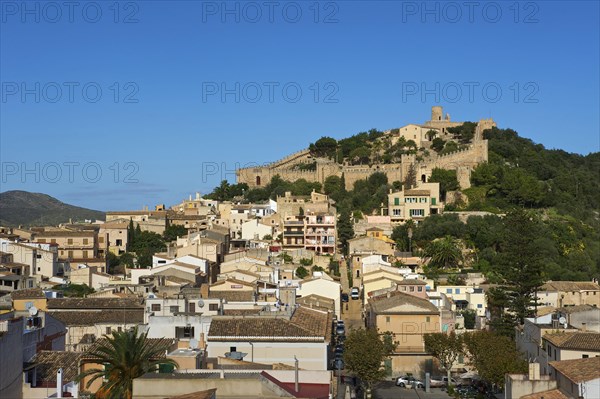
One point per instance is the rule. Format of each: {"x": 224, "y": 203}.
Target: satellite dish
{"x": 562, "y": 320}
{"x": 193, "y": 343}
{"x": 33, "y": 311}
{"x": 201, "y": 303}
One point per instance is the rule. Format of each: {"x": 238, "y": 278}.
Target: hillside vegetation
{"x": 36, "y": 209}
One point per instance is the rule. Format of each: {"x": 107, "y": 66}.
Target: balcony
{"x": 298, "y": 233}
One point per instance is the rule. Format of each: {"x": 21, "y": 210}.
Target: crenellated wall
{"x": 463, "y": 161}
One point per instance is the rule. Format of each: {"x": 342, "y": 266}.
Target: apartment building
{"x": 75, "y": 246}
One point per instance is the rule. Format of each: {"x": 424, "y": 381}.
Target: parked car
{"x": 345, "y": 297}
{"x": 409, "y": 380}
{"x": 339, "y": 323}
{"x": 340, "y": 330}
{"x": 354, "y": 293}
{"x": 439, "y": 382}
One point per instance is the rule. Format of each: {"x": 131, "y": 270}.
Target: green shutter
{"x": 165, "y": 368}
{"x": 396, "y": 201}
{"x": 432, "y": 201}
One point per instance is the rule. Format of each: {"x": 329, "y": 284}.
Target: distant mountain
{"x": 31, "y": 209}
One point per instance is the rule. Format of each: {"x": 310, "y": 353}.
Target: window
{"x": 120, "y": 329}
{"x": 192, "y": 307}
{"x": 479, "y": 306}
{"x": 549, "y": 350}
{"x": 70, "y": 254}
{"x": 433, "y": 201}
{"x": 184, "y": 332}
{"x": 42, "y": 240}
{"x": 38, "y": 256}
{"x": 156, "y": 307}
{"x": 101, "y": 240}
{"x": 448, "y": 290}
{"x": 213, "y": 306}
{"x": 417, "y": 212}
{"x": 396, "y": 201}
{"x": 457, "y": 291}
{"x": 585, "y": 356}
{"x": 232, "y": 349}
{"x": 427, "y": 319}
{"x": 173, "y": 309}
{"x": 387, "y": 319}
{"x": 107, "y": 330}
{"x": 53, "y": 241}
{"x": 396, "y": 212}
{"x": 85, "y": 254}
{"x": 70, "y": 241}
{"x": 420, "y": 289}
{"x": 412, "y": 288}
{"x": 85, "y": 241}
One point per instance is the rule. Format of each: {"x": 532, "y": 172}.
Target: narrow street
{"x": 351, "y": 310}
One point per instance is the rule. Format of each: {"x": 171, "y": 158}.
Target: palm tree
{"x": 125, "y": 356}
{"x": 444, "y": 253}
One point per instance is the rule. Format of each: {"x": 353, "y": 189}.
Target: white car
{"x": 409, "y": 380}
{"x": 354, "y": 293}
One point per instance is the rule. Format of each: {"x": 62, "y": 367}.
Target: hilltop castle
{"x": 463, "y": 161}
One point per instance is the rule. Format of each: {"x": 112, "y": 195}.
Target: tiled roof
{"x": 48, "y": 362}
{"x": 28, "y": 293}
{"x": 417, "y": 192}
{"x": 304, "y": 324}
{"x": 241, "y": 312}
{"x": 385, "y": 303}
{"x": 575, "y": 340}
{"x": 552, "y": 394}
{"x": 65, "y": 233}
{"x": 570, "y": 286}
{"x": 233, "y": 296}
{"x": 95, "y": 303}
{"x": 89, "y": 318}
{"x": 579, "y": 370}
{"x": 412, "y": 281}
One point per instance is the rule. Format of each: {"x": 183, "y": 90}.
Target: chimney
{"x": 59, "y": 383}
{"x": 296, "y": 388}
{"x": 534, "y": 371}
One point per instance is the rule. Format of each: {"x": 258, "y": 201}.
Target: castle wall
{"x": 463, "y": 161}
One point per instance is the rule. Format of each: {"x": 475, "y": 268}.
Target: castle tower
{"x": 437, "y": 113}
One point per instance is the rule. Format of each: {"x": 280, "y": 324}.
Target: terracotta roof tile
{"x": 552, "y": 394}
{"x": 579, "y": 370}
{"x": 575, "y": 340}
{"x": 304, "y": 324}
{"x": 385, "y": 303}
{"x": 95, "y": 303}
{"x": 48, "y": 362}
{"x": 28, "y": 293}
{"x": 89, "y": 318}
{"x": 570, "y": 286}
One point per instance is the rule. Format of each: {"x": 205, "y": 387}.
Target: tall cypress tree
{"x": 130, "y": 236}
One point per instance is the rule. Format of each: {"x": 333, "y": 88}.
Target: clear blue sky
{"x": 359, "y": 65}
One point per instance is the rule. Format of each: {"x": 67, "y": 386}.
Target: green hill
{"x": 31, "y": 209}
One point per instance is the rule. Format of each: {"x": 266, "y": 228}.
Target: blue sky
{"x": 117, "y": 107}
